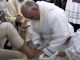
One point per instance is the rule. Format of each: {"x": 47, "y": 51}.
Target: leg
{"x": 9, "y": 54}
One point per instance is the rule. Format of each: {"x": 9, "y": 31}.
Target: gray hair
{"x": 30, "y": 4}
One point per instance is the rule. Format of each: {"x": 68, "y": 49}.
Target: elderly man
{"x": 73, "y": 12}
{"x": 49, "y": 26}
{"x": 7, "y": 31}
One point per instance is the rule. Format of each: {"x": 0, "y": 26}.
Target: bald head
{"x": 30, "y": 10}
{"x": 30, "y": 3}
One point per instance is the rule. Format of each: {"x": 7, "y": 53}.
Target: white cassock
{"x": 52, "y": 30}
{"x": 73, "y": 52}
{"x": 73, "y": 11}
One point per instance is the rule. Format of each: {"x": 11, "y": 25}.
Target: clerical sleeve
{"x": 61, "y": 30}
{"x": 35, "y": 37}
{"x": 73, "y": 52}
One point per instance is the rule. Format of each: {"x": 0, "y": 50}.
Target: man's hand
{"x": 24, "y": 29}
{"x": 18, "y": 18}
{"x": 30, "y": 52}
{"x": 61, "y": 54}
{"x": 34, "y": 53}
{"x": 24, "y": 26}
{"x": 38, "y": 51}
{"x": 38, "y": 48}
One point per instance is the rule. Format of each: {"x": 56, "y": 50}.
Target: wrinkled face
{"x": 31, "y": 13}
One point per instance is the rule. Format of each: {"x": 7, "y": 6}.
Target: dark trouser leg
{"x": 76, "y": 26}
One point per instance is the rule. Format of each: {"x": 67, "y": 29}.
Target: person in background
{"x": 59, "y": 3}
{"x": 73, "y": 13}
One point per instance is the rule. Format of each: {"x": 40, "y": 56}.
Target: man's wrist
{"x": 61, "y": 54}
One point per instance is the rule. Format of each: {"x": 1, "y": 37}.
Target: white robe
{"x": 53, "y": 27}
{"x": 73, "y": 11}
{"x": 73, "y": 52}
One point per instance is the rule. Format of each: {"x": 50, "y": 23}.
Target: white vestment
{"x": 73, "y": 11}
{"x": 73, "y": 52}
{"x": 52, "y": 30}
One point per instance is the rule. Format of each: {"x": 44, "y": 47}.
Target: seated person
{"x": 7, "y": 31}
